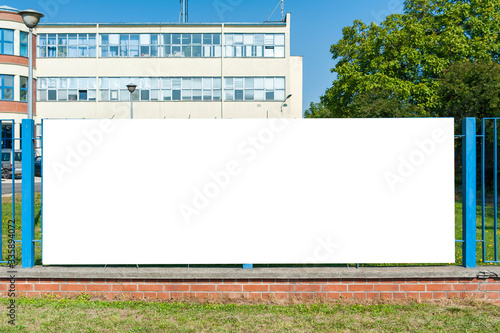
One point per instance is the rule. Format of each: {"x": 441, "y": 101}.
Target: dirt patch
{"x": 293, "y": 300}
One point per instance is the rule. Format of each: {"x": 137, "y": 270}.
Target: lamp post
{"x": 131, "y": 87}
{"x": 283, "y": 104}
{"x": 31, "y": 18}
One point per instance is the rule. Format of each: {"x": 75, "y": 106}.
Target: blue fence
{"x": 28, "y": 190}
{"x": 489, "y": 129}
{"x": 487, "y": 173}
{"x": 8, "y": 167}
{"x": 22, "y": 151}
{"x": 487, "y": 160}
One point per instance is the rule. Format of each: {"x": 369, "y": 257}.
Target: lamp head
{"x": 131, "y": 87}
{"x": 31, "y": 17}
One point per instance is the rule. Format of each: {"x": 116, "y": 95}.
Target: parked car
{"x": 8, "y": 160}
{"x": 38, "y": 166}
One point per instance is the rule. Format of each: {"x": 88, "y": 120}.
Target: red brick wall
{"x": 10, "y": 16}
{"x": 18, "y": 107}
{"x": 13, "y": 107}
{"x": 428, "y": 289}
{"x": 13, "y": 59}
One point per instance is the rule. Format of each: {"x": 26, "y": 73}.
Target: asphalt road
{"x": 7, "y": 187}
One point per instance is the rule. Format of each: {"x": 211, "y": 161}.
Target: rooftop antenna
{"x": 282, "y": 10}
{"x": 184, "y": 12}
{"x": 282, "y": 3}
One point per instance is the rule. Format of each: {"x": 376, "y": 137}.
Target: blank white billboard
{"x": 248, "y": 191}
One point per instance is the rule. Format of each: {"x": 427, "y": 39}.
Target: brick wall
{"x": 428, "y": 289}
{"x": 10, "y": 16}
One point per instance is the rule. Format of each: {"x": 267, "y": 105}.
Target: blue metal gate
{"x": 9, "y": 225}
{"x": 485, "y": 231}
{"x": 19, "y": 216}
{"x": 489, "y": 222}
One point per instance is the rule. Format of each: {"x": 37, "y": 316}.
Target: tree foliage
{"x": 406, "y": 65}
{"x": 317, "y": 110}
{"x": 470, "y": 89}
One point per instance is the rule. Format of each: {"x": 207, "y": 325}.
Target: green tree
{"x": 470, "y": 89}
{"x": 393, "y": 68}
{"x": 317, "y": 110}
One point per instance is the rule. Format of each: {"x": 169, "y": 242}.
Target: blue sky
{"x": 316, "y": 25}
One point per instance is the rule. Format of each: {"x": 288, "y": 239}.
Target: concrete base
{"x": 287, "y": 284}
{"x": 56, "y": 272}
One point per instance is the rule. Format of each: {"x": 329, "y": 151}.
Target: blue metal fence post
{"x": 469, "y": 192}
{"x": 28, "y": 193}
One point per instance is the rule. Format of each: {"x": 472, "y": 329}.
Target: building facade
{"x": 189, "y": 70}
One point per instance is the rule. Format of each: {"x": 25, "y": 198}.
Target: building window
{"x": 67, "y": 45}
{"x": 160, "y": 45}
{"x": 254, "y": 45}
{"x": 23, "y": 50}
{"x": 7, "y": 87}
{"x": 24, "y": 88}
{"x": 7, "y": 41}
{"x": 161, "y": 89}
{"x": 65, "y": 89}
{"x": 7, "y": 135}
{"x": 254, "y": 88}
{"x": 130, "y": 45}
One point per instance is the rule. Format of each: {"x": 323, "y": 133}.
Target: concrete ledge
{"x": 149, "y": 273}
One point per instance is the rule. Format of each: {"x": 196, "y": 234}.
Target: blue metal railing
{"x": 469, "y": 191}
{"x": 484, "y": 153}
{"x": 470, "y": 172}
{"x": 8, "y": 141}
{"x": 488, "y": 156}
{"x": 28, "y": 190}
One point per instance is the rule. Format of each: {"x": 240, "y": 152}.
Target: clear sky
{"x": 316, "y": 25}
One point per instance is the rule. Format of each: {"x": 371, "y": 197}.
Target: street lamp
{"x": 131, "y": 87}
{"x": 283, "y": 104}
{"x": 31, "y": 18}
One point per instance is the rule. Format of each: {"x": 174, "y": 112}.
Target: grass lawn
{"x": 489, "y": 234}
{"x": 83, "y": 315}
{"x": 7, "y": 216}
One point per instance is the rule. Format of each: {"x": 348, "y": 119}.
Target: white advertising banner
{"x": 248, "y": 191}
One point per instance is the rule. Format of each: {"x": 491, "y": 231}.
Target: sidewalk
{"x": 19, "y": 180}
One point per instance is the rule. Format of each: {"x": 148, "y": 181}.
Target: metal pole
{"x": 469, "y": 192}
{"x": 30, "y": 75}
{"x": 28, "y": 198}
{"x": 131, "y": 107}
{"x": 222, "y": 84}
{"x": 483, "y": 187}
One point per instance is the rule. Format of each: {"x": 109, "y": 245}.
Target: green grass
{"x": 7, "y": 216}
{"x": 82, "y": 315}
{"x": 489, "y": 233}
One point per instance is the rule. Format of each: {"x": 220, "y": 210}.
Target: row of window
{"x": 7, "y": 42}
{"x": 66, "y": 45}
{"x": 161, "y": 45}
{"x": 162, "y": 89}
{"x": 7, "y": 87}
